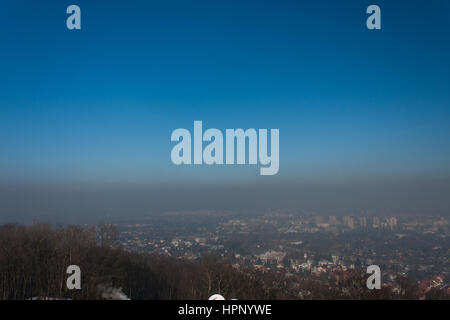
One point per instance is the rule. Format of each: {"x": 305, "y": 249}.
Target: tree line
{"x": 34, "y": 260}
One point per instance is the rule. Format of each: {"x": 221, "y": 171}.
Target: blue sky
{"x": 100, "y": 104}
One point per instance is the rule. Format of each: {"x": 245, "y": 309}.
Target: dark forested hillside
{"x": 34, "y": 259}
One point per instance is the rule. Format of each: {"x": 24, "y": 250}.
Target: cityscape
{"x": 324, "y": 249}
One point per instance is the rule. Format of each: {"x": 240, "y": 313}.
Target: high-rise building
{"x": 363, "y": 222}
{"x": 333, "y": 220}
{"x": 376, "y": 222}
{"x": 319, "y": 219}
{"x": 349, "y": 222}
{"x": 392, "y": 222}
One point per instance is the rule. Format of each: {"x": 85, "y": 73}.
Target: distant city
{"x": 323, "y": 249}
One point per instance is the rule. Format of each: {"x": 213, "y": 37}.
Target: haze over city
{"x": 86, "y": 117}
